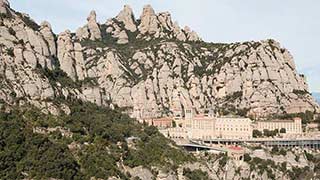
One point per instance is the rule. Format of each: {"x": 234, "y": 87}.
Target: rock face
{"x": 3, "y": 6}
{"x": 150, "y": 66}
{"x": 28, "y": 58}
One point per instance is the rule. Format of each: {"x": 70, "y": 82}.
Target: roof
{"x": 236, "y": 148}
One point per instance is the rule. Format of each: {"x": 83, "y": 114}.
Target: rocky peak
{"x": 191, "y": 35}
{"x": 144, "y": 73}
{"x": 46, "y": 31}
{"x": 126, "y": 16}
{"x": 93, "y": 26}
{"x": 92, "y": 17}
{"x": 149, "y": 22}
{"x": 165, "y": 20}
{"x": 4, "y": 4}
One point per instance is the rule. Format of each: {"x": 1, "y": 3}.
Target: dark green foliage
{"x": 270, "y": 133}
{"x": 97, "y": 162}
{"x": 283, "y": 130}
{"x": 234, "y": 96}
{"x": 5, "y": 15}
{"x": 10, "y": 52}
{"x": 309, "y": 156}
{"x": 283, "y": 166}
{"x": 256, "y": 133}
{"x": 154, "y": 150}
{"x": 300, "y": 92}
{"x": 298, "y": 173}
{"x": 246, "y": 157}
{"x": 11, "y": 31}
{"x": 283, "y": 152}
{"x": 277, "y": 151}
{"x": 104, "y": 132}
{"x": 274, "y": 150}
{"x": 195, "y": 174}
{"x": 174, "y": 124}
{"x": 223, "y": 161}
{"x": 28, "y": 21}
{"x": 23, "y": 151}
{"x": 57, "y": 75}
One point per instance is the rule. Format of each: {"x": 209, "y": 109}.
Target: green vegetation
{"x": 306, "y": 116}
{"x": 283, "y": 130}
{"x": 10, "y": 52}
{"x": 100, "y": 138}
{"x": 262, "y": 166}
{"x": 23, "y": 151}
{"x": 277, "y": 151}
{"x": 266, "y": 133}
{"x": 57, "y": 75}
{"x": 246, "y": 157}
{"x": 300, "y": 92}
{"x": 28, "y": 21}
{"x": 256, "y": 133}
{"x": 11, "y": 31}
{"x": 5, "y": 15}
{"x": 270, "y": 133}
{"x": 195, "y": 174}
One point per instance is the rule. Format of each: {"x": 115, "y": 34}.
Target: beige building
{"x": 233, "y": 128}
{"x": 209, "y": 127}
{"x": 292, "y": 126}
{"x": 201, "y": 127}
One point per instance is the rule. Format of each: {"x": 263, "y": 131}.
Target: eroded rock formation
{"x": 149, "y": 65}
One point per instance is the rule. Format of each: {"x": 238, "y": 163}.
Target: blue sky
{"x": 294, "y": 23}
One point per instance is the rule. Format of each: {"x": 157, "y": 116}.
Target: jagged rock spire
{"x": 46, "y": 31}
{"x": 126, "y": 16}
{"x": 178, "y": 32}
{"x": 93, "y": 26}
{"x": 191, "y": 35}
{"x": 149, "y": 23}
{"x": 165, "y": 20}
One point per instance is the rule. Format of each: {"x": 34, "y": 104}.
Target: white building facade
{"x": 291, "y": 126}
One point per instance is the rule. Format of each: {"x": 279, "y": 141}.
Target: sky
{"x": 294, "y": 23}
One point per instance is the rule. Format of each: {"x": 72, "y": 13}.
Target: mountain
{"x": 316, "y": 96}
{"x": 64, "y": 98}
{"x": 149, "y": 66}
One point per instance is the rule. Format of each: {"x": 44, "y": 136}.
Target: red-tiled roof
{"x": 237, "y": 148}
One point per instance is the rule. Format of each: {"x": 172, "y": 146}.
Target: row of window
{"x": 231, "y": 129}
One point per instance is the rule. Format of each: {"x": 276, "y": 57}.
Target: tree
{"x": 275, "y": 150}
{"x": 195, "y": 174}
{"x": 174, "y": 124}
{"x": 246, "y": 157}
{"x": 256, "y": 133}
{"x": 283, "y": 152}
{"x": 283, "y": 130}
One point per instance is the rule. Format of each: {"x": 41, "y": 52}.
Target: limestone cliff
{"x": 149, "y": 65}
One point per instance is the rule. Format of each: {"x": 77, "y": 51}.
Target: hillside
{"x": 64, "y": 98}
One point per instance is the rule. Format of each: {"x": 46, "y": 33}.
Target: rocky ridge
{"x": 149, "y": 65}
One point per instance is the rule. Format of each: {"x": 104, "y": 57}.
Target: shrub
{"x": 12, "y": 32}
{"x": 309, "y": 156}
{"x": 246, "y": 157}
{"x": 10, "y": 52}
{"x": 283, "y": 130}
{"x": 256, "y": 133}
{"x": 195, "y": 174}
{"x": 275, "y": 149}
